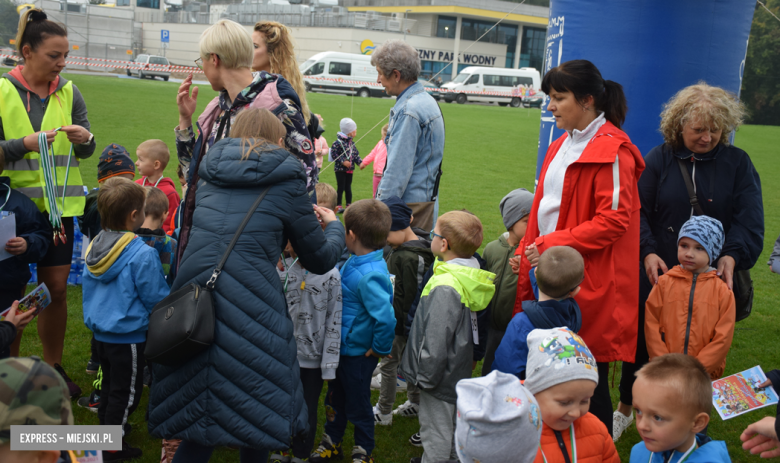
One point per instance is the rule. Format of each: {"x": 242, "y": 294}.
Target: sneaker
{"x": 359, "y": 455}
{"x": 127, "y": 453}
{"x": 92, "y": 367}
{"x": 376, "y": 382}
{"x": 327, "y": 451}
{"x": 400, "y": 384}
{"x": 407, "y": 409}
{"x": 339, "y": 210}
{"x": 377, "y": 371}
{"x": 416, "y": 460}
{"x": 281, "y": 457}
{"x": 416, "y": 440}
{"x": 91, "y": 403}
{"x": 382, "y": 419}
{"x": 73, "y": 389}
{"x": 620, "y": 423}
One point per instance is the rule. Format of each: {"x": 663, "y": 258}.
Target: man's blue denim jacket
{"x": 415, "y": 147}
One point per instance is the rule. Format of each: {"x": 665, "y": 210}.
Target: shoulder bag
{"x": 182, "y": 325}
{"x": 743, "y": 284}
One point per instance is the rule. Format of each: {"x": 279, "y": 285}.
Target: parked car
{"x": 150, "y": 66}
{"x": 11, "y": 59}
{"x": 431, "y": 88}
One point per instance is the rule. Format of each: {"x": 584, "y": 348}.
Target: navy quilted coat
{"x": 245, "y": 390}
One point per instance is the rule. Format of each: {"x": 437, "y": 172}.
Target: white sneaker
{"x": 407, "y": 409}
{"x": 376, "y": 382}
{"x": 400, "y": 384}
{"x": 381, "y": 419}
{"x": 620, "y": 423}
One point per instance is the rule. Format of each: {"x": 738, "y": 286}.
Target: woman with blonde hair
{"x": 696, "y": 124}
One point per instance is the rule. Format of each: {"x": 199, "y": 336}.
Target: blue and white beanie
{"x": 706, "y": 231}
{"x": 498, "y": 420}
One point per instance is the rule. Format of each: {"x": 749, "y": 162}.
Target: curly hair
{"x": 281, "y": 52}
{"x": 711, "y": 106}
{"x": 397, "y": 55}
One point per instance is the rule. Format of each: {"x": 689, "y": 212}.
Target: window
{"x": 514, "y": 81}
{"x": 306, "y": 64}
{"x": 461, "y": 78}
{"x": 158, "y": 60}
{"x": 474, "y": 79}
{"x": 532, "y": 47}
{"x": 340, "y": 69}
{"x": 155, "y": 4}
{"x": 315, "y": 70}
{"x": 122, "y": 2}
{"x": 491, "y": 80}
{"x": 446, "y": 27}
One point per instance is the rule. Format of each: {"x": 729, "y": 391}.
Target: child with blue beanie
{"x": 691, "y": 310}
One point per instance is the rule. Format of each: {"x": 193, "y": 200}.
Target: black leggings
{"x": 627, "y": 376}
{"x": 311, "y": 379}
{"x": 344, "y": 184}
{"x": 601, "y": 402}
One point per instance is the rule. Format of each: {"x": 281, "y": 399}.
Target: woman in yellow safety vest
{"x": 35, "y": 99}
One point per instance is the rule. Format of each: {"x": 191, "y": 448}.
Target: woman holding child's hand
{"x": 587, "y": 199}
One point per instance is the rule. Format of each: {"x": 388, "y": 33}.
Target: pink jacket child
{"x": 379, "y": 156}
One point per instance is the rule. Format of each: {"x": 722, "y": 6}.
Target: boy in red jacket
{"x": 153, "y": 157}
{"x": 562, "y": 375}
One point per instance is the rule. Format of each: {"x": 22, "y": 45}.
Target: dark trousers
{"x": 192, "y": 452}
{"x": 93, "y": 350}
{"x": 123, "y": 369}
{"x": 494, "y": 338}
{"x": 7, "y": 298}
{"x": 303, "y": 444}
{"x": 344, "y": 185}
{"x": 601, "y": 402}
{"x": 627, "y": 376}
{"x": 349, "y": 399}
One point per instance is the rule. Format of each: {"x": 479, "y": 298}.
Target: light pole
{"x": 405, "y": 24}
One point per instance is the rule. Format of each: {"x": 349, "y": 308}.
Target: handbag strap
{"x": 689, "y": 185}
{"x": 217, "y": 271}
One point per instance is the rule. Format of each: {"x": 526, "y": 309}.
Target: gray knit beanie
{"x": 516, "y": 205}
{"x": 498, "y": 420}
{"x": 557, "y": 356}
{"x": 347, "y": 126}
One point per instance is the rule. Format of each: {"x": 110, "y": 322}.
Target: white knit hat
{"x": 347, "y": 126}
{"x": 557, "y": 356}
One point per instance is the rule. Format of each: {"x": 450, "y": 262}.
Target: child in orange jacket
{"x": 562, "y": 375}
{"x": 691, "y": 310}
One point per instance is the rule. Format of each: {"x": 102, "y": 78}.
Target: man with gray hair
{"x": 415, "y": 138}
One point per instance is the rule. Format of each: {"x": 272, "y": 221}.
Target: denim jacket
{"x": 415, "y": 147}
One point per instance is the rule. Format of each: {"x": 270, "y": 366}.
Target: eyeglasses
{"x": 199, "y": 63}
{"x": 433, "y": 234}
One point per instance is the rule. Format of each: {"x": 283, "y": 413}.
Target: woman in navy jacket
{"x": 696, "y": 124}
{"x": 245, "y": 389}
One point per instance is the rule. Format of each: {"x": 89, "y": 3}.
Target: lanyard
{"x": 7, "y": 195}
{"x": 287, "y": 271}
{"x": 143, "y": 183}
{"x": 573, "y": 446}
{"x": 683, "y": 457}
{"x": 50, "y": 186}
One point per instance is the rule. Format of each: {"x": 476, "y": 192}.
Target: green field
{"x": 490, "y": 150}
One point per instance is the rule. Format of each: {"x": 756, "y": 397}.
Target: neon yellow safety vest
{"x": 26, "y": 174}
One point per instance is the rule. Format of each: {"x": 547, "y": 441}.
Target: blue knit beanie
{"x": 401, "y": 213}
{"x": 706, "y": 231}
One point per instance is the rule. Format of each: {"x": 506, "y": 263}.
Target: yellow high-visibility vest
{"x": 26, "y": 174}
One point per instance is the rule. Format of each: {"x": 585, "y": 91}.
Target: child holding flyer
{"x": 31, "y": 233}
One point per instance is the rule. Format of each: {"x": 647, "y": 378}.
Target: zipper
{"x": 690, "y": 314}
{"x": 562, "y": 446}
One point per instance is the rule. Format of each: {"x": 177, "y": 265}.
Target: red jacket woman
{"x": 587, "y": 198}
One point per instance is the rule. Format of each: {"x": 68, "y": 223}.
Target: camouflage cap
{"x": 31, "y": 392}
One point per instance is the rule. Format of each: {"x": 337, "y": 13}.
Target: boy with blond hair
{"x": 673, "y": 400}
{"x": 153, "y": 157}
{"x": 152, "y": 232}
{"x": 326, "y": 196}
{"x": 439, "y": 349}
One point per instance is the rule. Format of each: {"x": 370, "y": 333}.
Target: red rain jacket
{"x": 599, "y": 217}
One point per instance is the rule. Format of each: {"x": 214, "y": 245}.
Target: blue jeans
{"x": 192, "y": 452}
{"x": 349, "y": 398}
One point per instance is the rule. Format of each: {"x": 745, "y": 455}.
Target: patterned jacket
{"x": 344, "y": 149}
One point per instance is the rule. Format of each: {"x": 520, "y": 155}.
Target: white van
{"x": 345, "y": 73}
{"x": 516, "y": 84}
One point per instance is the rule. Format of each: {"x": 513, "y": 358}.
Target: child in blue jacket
{"x": 559, "y": 273}
{"x": 123, "y": 280}
{"x": 33, "y": 235}
{"x": 367, "y": 332}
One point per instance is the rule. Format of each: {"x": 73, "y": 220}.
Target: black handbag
{"x": 743, "y": 284}
{"x": 182, "y": 325}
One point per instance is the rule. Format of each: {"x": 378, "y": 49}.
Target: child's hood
{"x": 109, "y": 252}
{"x": 475, "y": 286}
{"x": 166, "y": 184}
{"x": 344, "y": 137}
{"x": 552, "y": 313}
{"x": 224, "y": 167}
{"x": 678, "y": 272}
{"x": 419, "y": 246}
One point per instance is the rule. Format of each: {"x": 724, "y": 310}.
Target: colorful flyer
{"x": 740, "y": 393}
{"x": 37, "y": 300}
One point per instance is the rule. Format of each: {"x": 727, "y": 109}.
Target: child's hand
{"x": 532, "y": 254}
{"x": 514, "y": 262}
{"x": 362, "y": 166}
{"x": 19, "y": 319}
{"x": 16, "y": 246}
{"x": 760, "y": 437}
{"x": 347, "y": 164}
{"x": 371, "y": 352}
{"x": 326, "y": 215}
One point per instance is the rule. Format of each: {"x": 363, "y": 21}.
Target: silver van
{"x": 150, "y": 66}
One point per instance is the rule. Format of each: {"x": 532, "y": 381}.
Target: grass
{"x": 490, "y": 150}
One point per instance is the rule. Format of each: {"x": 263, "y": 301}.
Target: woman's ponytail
{"x": 613, "y": 103}
{"x": 34, "y": 27}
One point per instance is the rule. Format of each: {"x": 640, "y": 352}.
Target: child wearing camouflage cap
{"x": 32, "y": 392}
